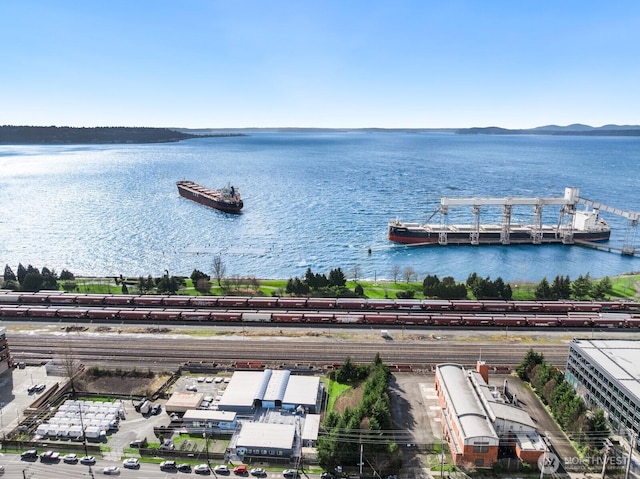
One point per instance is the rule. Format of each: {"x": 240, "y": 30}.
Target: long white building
{"x": 606, "y": 373}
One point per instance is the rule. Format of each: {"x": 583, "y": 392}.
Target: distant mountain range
{"x": 575, "y": 129}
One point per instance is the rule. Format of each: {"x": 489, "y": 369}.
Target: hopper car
{"x": 258, "y": 309}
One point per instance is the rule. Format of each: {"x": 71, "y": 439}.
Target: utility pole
{"x": 361, "y": 461}
{"x": 632, "y": 445}
{"x": 604, "y": 462}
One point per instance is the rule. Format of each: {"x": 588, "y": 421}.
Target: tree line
{"x": 317, "y": 284}
{"x": 362, "y": 425}
{"x": 32, "y": 279}
{"x": 588, "y": 428}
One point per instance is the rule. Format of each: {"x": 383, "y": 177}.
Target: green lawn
{"x": 334, "y": 389}
{"x": 624, "y": 286}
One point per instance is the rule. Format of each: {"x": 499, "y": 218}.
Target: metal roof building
{"x": 270, "y": 388}
{"x": 606, "y": 373}
{"x": 268, "y": 440}
{"x": 477, "y": 421}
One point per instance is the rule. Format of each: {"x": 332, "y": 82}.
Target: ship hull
{"x": 210, "y": 198}
{"x": 427, "y": 235}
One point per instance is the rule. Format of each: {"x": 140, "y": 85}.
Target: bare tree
{"x": 395, "y": 271}
{"x": 408, "y": 273}
{"x": 218, "y": 269}
{"x": 356, "y": 272}
{"x": 71, "y": 368}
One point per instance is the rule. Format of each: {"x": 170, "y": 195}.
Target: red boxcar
{"x": 380, "y": 318}
{"x": 103, "y": 313}
{"x": 292, "y": 302}
{"x": 196, "y": 314}
{"x": 90, "y": 299}
{"x": 262, "y": 302}
{"x": 176, "y": 300}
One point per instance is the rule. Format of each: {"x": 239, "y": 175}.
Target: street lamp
{"x": 206, "y": 444}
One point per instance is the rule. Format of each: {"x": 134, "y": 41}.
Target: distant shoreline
{"x": 64, "y": 135}
{"x": 54, "y": 135}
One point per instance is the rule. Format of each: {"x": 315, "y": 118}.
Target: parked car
{"x": 70, "y": 458}
{"x": 156, "y": 409}
{"x": 1, "y": 469}
{"x": 131, "y": 463}
{"x": 240, "y": 470}
{"x": 168, "y": 445}
{"x": 184, "y": 467}
{"x": 29, "y": 455}
{"x": 258, "y": 471}
{"x": 221, "y": 469}
{"x": 138, "y": 443}
{"x": 327, "y": 475}
{"x": 202, "y": 469}
{"x": 88, "y": 460}
{"x": 168, "y": 466}
{"x": 111, "y": 470}
{"x": 290, "y": 473}
{"x": 50, "y": 456}
{"x": 192, "y": 387}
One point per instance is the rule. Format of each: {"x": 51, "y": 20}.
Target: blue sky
{"x": 317, "y": 63}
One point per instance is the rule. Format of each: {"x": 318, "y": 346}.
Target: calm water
{"x": 318, "y": 200}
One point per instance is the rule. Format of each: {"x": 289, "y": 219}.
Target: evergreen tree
{"x": 49, "y": 279}
{"x": 8, "y": 274}
{"x": 543, "y": 289}
{"x": 66, "y": 275}
{"x": 561, "y": 287}
{"x": 581, "y": 287}
{"x": 337, "y": 278}
{"x": 32, "y": 281}
{"x": 530, "y": 360}
{"x": 22, "y": 272}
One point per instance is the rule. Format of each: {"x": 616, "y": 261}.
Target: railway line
{"x": 162, "y": 353}
{"x": 450, "y": 319}
{"x": 303, "y": 310}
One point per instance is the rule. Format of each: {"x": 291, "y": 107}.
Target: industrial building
{"x": 259, "y": 440}
{"x": 478, "y": 422}
{"x": 269, "y": 414}
{"x": 211, "y": 422}
{"x": 270, "y": 389}
{"x": 606, "y": 373}
{"x": 183, "y": 401}
{"x": 5, "y": 358}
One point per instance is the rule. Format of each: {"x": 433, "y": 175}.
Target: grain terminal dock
{"x": 574, "y": 226}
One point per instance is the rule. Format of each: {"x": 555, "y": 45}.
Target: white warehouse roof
{"x": 266, "y": 435}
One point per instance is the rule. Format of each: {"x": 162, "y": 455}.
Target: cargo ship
{"x": 226, "y": 199}
{"x": 573, "y": 225}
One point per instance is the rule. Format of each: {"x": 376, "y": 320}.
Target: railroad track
{"x": 161, "y": 352}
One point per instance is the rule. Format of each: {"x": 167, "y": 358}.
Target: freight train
{"x": 289, "y": 302}
{"x": 340, "y": 311}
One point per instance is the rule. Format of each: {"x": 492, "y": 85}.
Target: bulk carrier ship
{"x": 573, "y": 225}
{"x": 226, "y": 199}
